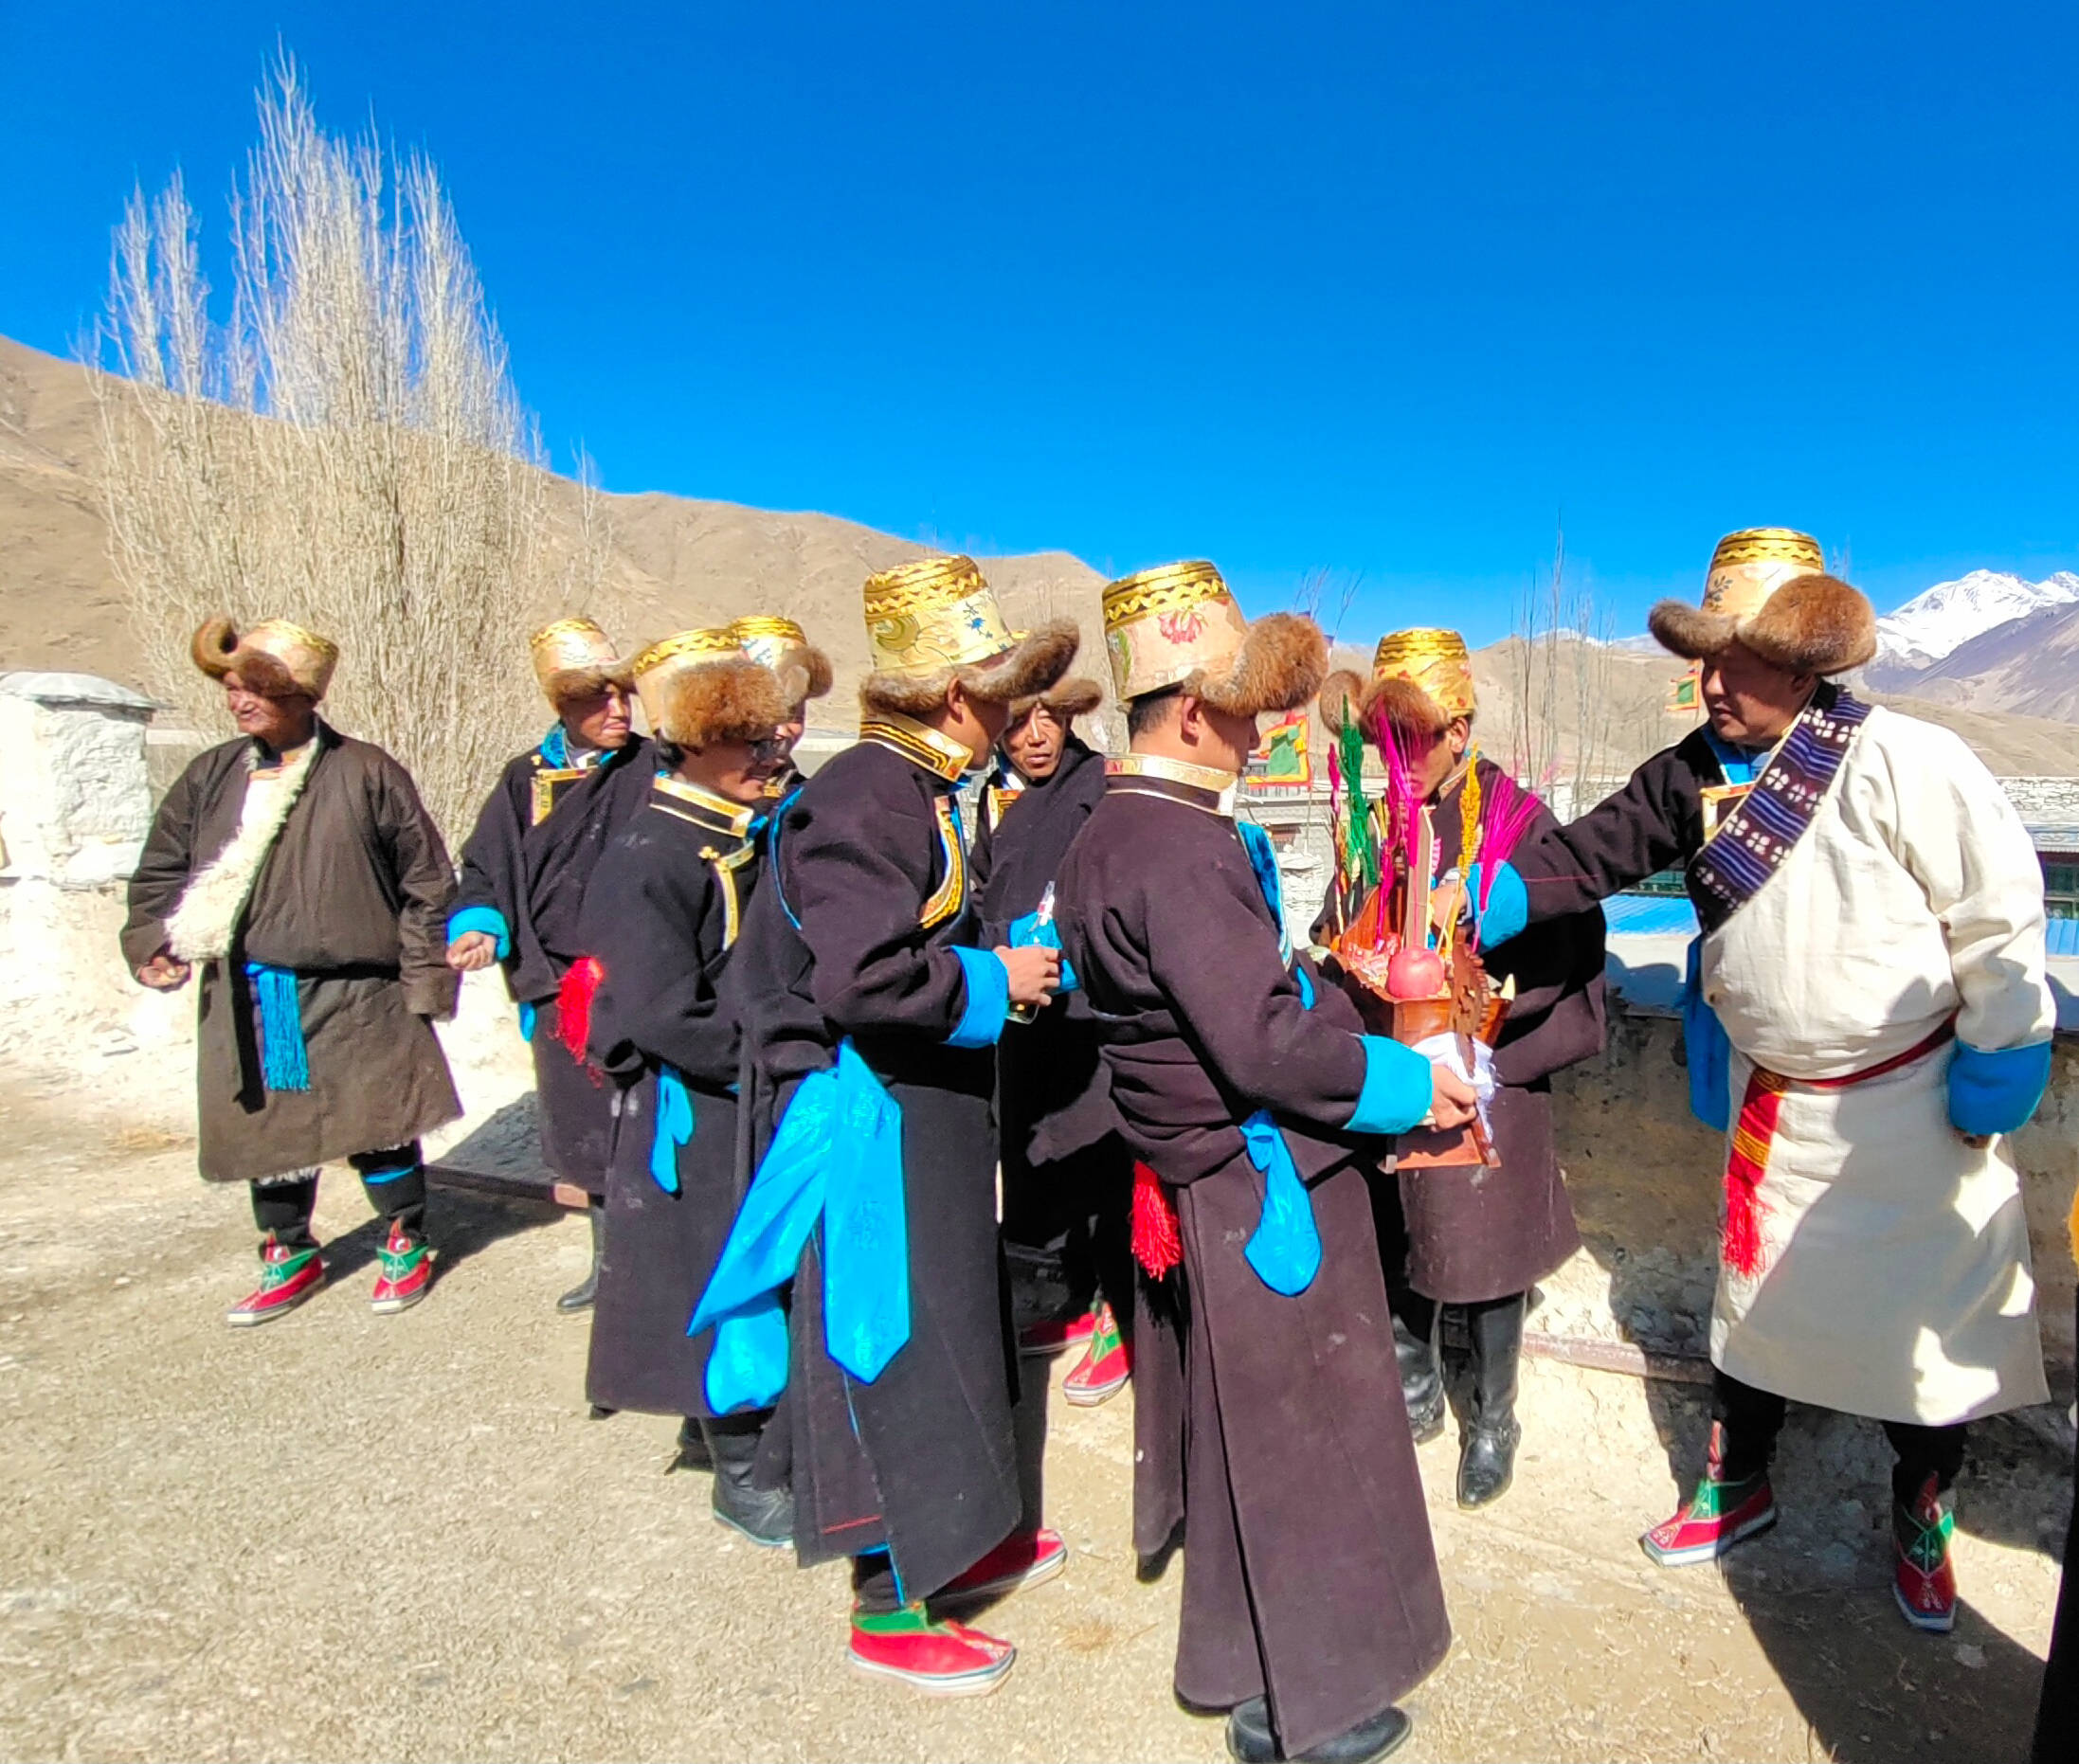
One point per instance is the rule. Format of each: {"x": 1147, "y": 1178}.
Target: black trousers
{"x": 1751, "y": 1419}
{"x": 394, "y": 1181}
{"x": 1080, "y": 1208}
{"x": 874, "y": 1587}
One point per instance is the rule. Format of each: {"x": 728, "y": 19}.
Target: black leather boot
{"x": 693, "y": 1448}
{"x": 1415, "y": 1320}
{"x": 1487, "y": 1460}
{"x": 764, "y": 1515}
{"x": 579, "y": 1297}
{"x": 1250, "y": 1741}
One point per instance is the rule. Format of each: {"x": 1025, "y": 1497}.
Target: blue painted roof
{"x": 1650, "y": 916}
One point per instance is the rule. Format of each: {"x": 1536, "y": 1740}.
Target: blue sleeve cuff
{"x": 1997, "y": 1093}
{"x": 1507, "y": 908}
{"x": 988, "y": 999}
{"x": 1397, "y": 1088}
{"x": 487, "y": 919}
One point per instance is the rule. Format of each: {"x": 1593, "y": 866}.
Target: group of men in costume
{"x": 789, "y": 1034}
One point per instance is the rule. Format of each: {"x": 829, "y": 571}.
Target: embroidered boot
{"x": 1102, "y": 1373}
{"x": 1422, "y": 1364}
{"x": 941, "y": 1659}
{"x": 407, "y": 1272}
{"x": 287, "y": 1277}
{"x": 579, "y": 1297}
{"x": 1054, "y": 1335}
{"x": 1720, "y": 1515}
{"x": 1922, "y": 1577}
{"x": 1023, "y": 1560}
{"x": 1486, "y": 1459}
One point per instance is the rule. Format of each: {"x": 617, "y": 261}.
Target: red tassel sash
{"x": 575, "y": 1005}
{"x": 1740, "y": 1243}
{"x": 1158, "y": 1242}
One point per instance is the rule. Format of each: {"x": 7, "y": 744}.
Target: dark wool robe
{"x": 1654, "y": 822}
{"x": 542, "y": 831}
{"x": 1062, "y": 1159}
{"x": 663, "y": 912}
{"x": 1477, "y": 1234}
{"x": 921, "y": 1462}
{"x": 352, "y": 898}
{"x": 1271, "y": 1426}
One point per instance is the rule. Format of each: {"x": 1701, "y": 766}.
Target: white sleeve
{"x": 1966, "y": 845}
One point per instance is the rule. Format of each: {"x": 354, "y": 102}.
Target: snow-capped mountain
{"x": 1929, "y": 626}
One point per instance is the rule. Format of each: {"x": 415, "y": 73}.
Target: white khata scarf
{"x": 203, "y": 925}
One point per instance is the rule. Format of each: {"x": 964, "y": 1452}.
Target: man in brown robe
{"x": 297, "y": 869}
{"x": 526, "y": 866}
{"x": 1268, "y": 1410}
{"x": 1476, "y": 1237}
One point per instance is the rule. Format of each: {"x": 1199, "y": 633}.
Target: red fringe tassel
{"x": 575, "y": 1005}
{"x": 1746, "y": 1163}
{"x": 1158, "y": 1244}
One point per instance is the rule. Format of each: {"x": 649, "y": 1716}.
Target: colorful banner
{"x": 1281, "y": 763}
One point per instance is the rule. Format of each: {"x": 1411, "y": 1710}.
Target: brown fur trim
{"x": 721, "y": 701}
{"x": 215, "y": 643}
{"x": 1078, "y": 696}
{"x": 1690, "y": 631}
{"x": 1813, "y": 624}
{"x": 218, "y": 652}
{"x": 1030, "y": 667}
{"x": 570, "y": 683}
{"x": 1342, "y": 699}
{"x": 1282, "y": 663}
{"x": 806, "y": 674}
{"x": 1402, "y": 707}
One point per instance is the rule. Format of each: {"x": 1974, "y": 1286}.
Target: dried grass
{"x": 391, "y": 493}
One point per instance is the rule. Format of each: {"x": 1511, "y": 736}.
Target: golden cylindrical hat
{"x": 574, "y": 654}
{"x": 768, "y": 639}
{"x": 669, "y": 657}
{"x": 275, "y": 656}
{"x": 1434, "y": 659}
{"x": 1165, "y": 624}
{"x": 933, "y": 614}
{"x": 1749, "y": 566}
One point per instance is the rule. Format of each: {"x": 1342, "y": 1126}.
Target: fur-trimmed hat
{"x": 1177, "y": 626}
{"x": 698, "y": 688}
{"x": 1074, "y": 695}
{"x": 274, "y": 658}
{"x": 781, "y": 645}
{"x": 934, "y": 621}
{"x": 1420, "y": 679}
{"x": 575, "y": 659}
{"x": 1768, "y": 591}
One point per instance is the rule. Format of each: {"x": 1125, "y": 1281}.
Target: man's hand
{"x": 472, "y": 951}
{"x": 1451, "y": 1099}
{"x": 1034, "y": 973}
{"x": 164, "y": 973}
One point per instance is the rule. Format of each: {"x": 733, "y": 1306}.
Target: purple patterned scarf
{"x": 1755, "y": 839}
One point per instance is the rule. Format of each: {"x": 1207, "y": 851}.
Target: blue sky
{"x": 1388, "y": 291}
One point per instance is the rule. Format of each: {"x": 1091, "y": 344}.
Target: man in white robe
{"x": 1868, "y": 1016}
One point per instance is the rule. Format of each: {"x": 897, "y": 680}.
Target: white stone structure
{"x": 75, "y": 799}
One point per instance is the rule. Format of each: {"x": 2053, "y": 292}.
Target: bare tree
{"x": 346, "y": 449}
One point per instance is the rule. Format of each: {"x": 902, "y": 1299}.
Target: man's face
{"x": 1432, "y": 758}
{"x": 283, "y": 722}
{"x": 739, "y": 770}
{"x": 789, "y": 732}
{"x": 1751, "y": 702}
{"x": 599, "y": 719}
{"x": 1227, "y": 740}
{"x": 1034, "y": 744}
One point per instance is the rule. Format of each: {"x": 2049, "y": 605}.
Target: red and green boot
{"x": 407, "y": 1272}
{"x": 941, "y": 1659}
{"x": 1102, "y": 1372}
{"x": 287, "y": 1277}
{"x": 1922, "y": 1577}
{"x": 1720, "y": 1515}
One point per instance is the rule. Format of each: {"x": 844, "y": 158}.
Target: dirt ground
{"x": 350, "y": 1537}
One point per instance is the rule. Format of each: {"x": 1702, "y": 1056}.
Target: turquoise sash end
{"x": 284, "y": 1061}
{"x": 674, "y": 1128}
{"x": 1706, "y": 1047}
{"x": 1286, "y": 1247}
{"x": 836, "y": 1157}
